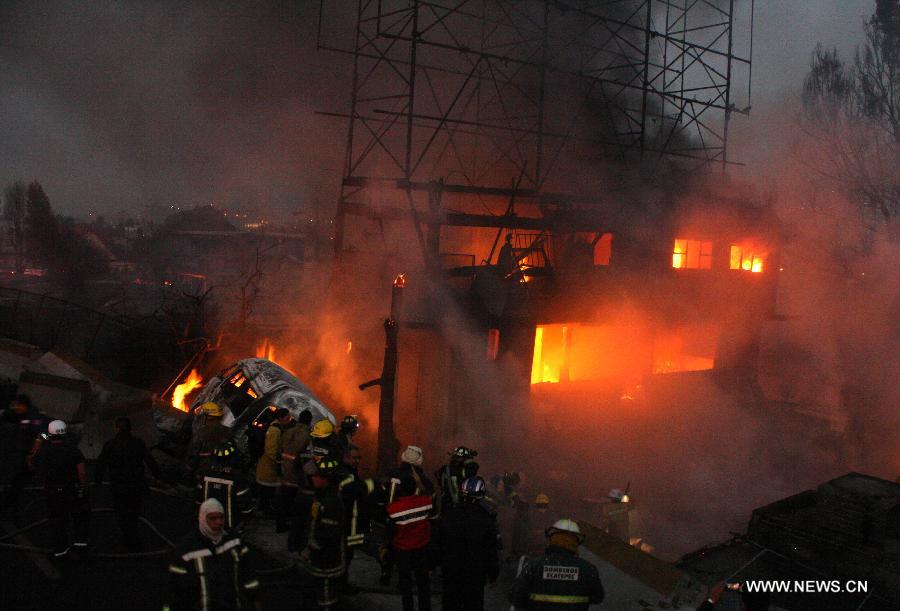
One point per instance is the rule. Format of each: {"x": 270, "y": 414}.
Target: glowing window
{"x": 603, "y": 249}
{"x": 493, "y": 344}
{"x": 744, "y": 258}
{"x": 692, "y": 254}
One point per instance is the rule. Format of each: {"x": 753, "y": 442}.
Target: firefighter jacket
{"x": 294, "y": 441}
{"x": 449, "y": 478}
{"x": 470, "y": 541}
{"x": 355, "y": 493}
{"x": 409, "y": 523}
{"x": 205, "y": 440}
{"x": 206, "y": 576}
{"x": 408, "y": 480}
{"x": 558, "y": 580}
{"x": 57, "y": 462}
{"x": 324, "y": 554}
{"x": 224, "y": 481}
{"x": 268, "y": 468}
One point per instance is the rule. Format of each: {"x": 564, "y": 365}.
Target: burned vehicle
{"x": 252, "y": 389}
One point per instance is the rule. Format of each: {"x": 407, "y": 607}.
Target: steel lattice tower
{"x": 489, "y": 99}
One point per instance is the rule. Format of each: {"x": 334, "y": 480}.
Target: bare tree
{"x": 853, "y": 111}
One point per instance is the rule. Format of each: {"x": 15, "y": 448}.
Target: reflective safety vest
{"x": 207, "y": 576}
{"x": 559, "y": 579}
{"x": 409, "y": 519}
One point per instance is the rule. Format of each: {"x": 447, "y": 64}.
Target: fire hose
{"x": 109, "y": 555}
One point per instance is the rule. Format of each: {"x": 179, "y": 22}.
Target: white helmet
{"x": 57, "y": 427}
{"x": 616, "y": 494}
{"x": 565, "y": 525}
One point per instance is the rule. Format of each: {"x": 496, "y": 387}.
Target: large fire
{"x": 265, "y": 350}
{"x": 622, "y": 350}
{"x": 193, "y": 381}
{"x": 747, "y": 257}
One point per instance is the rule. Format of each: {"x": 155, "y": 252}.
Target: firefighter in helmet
{"x": 224, "y": 481}
{"x": 558, "y": 579}
{"x": 207, "y": 438}
{"x": 323, "y": 556}
{"x": 344, "y": 437}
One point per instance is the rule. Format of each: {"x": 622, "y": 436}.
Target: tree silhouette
{"x": 14, "y": 211}
{"x": 853, "y": 110}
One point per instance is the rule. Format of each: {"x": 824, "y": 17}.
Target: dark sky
{"x": 115, "y": 106}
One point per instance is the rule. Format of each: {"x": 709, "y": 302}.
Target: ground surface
{"x": 33, "y": 580}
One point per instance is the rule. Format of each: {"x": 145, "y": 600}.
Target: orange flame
{"x": 181, "y": 391}
{"x": 266, "y": 350}
{"x": 400, "y": 281}
{"x": 748, "y": 257}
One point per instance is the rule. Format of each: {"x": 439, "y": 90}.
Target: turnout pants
{"x": 63, "y": 506}
{"x": 413, "y": 565}
{"x": 287, "y": 495}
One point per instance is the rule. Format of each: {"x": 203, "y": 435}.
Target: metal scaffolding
{"x": 500, "y": 99}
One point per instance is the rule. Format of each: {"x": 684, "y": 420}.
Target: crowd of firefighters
{"x": 305, "y": 474}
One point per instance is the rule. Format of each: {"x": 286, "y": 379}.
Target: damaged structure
{"x": 846, "y": 529}
{"x": 524, "y": 178}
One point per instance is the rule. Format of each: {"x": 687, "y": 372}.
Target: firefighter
{"x": 470, "y": 543}
{"x": 450, "y": 476}
{"x": 223, "y": 480}
{"x": 614, "y": 515}
{"x": 209, "y": 568}
{"x": 558, "y": 579}
{"x": 348, "y": 428}
{"x": 409, "y": 473}
{"x": 61, "y": 465}
{"x": 206, "y": 439}
{"x": 125, "y": 457}
{"x": 409, "y": 527}
{"x": 294, "y": 440}
{"x": 323, "y": 440}
{"x": 355, "y": 493}
{"x": 323, "y": 557}
{"x": 268, "y": 467}
{"x": 28, "y": 424}
{"x": 535, "y": 532}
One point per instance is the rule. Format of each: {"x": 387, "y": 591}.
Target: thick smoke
{"x": 120, "y": 107}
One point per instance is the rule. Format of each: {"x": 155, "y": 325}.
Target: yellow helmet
{"x": 542, "y": 499}
{"x": 211, "y": 408}
{"x": 322, "y": 428}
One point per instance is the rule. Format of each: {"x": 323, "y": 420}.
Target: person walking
{"x": 125, "y": 457}
{"x": 61, "y": 466}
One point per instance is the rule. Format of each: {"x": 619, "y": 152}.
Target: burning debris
{"x": 181, "y": 392}
{"x": 251, "y": 387}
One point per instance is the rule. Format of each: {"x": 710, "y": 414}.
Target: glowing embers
{"x": 692, "y": 254}
{"x": 239, "y": 381}
{"x": 747, "y": 258}
{"x": 181, "y": 391}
